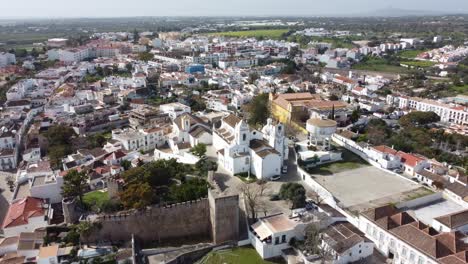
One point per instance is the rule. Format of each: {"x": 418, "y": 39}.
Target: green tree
{"x": 253, "y": 76}
{"x": 418, "y": 118}
{"x": 199, "y": 150}
{"x": 145, "y": 56}
{"x": 126, "y": 164}
{"x": 293, "y": 192}
{"x": 136, "y": 36}
{"x": 96, "y": 140}
{"x": 354, "y": 116}
{"x": 312, "y": 239}
{"x": 259, "y": 110}
{"x": 58, "y": 135}
{"x": 137, "y": 196}
{"x": 129, "y": 67}
{"x": 75, "y": 184}
{"x": 190, "y": 190}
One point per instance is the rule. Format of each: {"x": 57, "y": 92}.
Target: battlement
{"x": 215, "y": 217}
{"x": 147, "y": 211}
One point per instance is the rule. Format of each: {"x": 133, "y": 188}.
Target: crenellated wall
{"x": 215, "y": 218}
{"x": 155, "y": 224}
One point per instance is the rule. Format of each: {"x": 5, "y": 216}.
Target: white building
{"x": 143, "y": 139}
{"x": 237, "y": 62}
{"x": 242, "y": 150}
{"x": 174, "y": 109}
{"x": 271, "y": 235}
{"x": 449, "y": 113}
{"x": 7, "y": 59}
{"x": 320, "y": 131}
{"x": 25, "y": 215}
{"x": 385, "y": 156}
{"x": 457, "y": 221}
{"x": 191, "y": 129}
{"x": 346, "y": 243}
{"x": 404, "y": 239}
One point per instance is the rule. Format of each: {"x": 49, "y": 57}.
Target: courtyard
{"x": 244, "y": 255}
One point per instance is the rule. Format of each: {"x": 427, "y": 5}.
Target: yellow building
{"x": 296, "y": 108}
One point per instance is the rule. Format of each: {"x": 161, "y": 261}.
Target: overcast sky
{"x": 114, "y": 8}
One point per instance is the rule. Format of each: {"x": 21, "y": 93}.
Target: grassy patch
{"x": 380, "y": 65}
{"x": 421, "y": 192}
{"x": 410, "y": 54}
{"x": 245, "y": 177}
{"x": 95, "y": 198}
{"x": 459, "y": 89}
{"x": 244, "y": 255}
{"x": 420, "y": 64}
{"x": 266, "y": 33}
{"x": 350, "y": 161}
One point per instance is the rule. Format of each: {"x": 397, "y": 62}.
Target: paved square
{"x": 365, "y": 187}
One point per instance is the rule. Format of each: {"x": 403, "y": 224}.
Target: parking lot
{"x": 368, "y": 187}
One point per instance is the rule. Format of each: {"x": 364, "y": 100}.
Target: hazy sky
{"x": 113, "y": 8}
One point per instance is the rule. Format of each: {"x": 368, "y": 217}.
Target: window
{"x": 360, "y": 251}
{"x": 403, "y": 252}
{"x": 368, "y": 229}
{"x": 244, "y": 137}
{"x": 420, "y": 260}
{"x": 411, "y": 256}
{"x": 276, "y": 240}
{"x": 283, "y": 239}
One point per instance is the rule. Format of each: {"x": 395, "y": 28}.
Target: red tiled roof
{"x": 20, "y": 211}
{"x": 409, "y": 159}
{"x": 385, "y": 149}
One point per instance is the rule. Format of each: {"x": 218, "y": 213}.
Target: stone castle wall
{"x": 215, "y": 217}
{"x": 156, "y": 224}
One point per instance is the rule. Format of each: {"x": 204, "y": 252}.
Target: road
{"x": 5, "y": 195}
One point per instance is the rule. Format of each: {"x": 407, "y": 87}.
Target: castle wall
{"x": 157, "y": 224}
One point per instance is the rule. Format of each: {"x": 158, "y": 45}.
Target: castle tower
{"x": 224, "y": 213}
{"x": 70, "y": 213}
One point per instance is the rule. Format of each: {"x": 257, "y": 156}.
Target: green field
{"x": 266, "y": 33}
{"x": 410, "y": 54}
{"x": 459, "y": 89}
{"x": 380, "y": 68}
{"x": 420, "y": 64}
{"x": 350, "y": 161}
{"x": 244, "y": 255}
{"x": 95, "y": 198}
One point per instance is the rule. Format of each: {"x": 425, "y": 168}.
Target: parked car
{"x": 284, "y": 169}
{"x": 276, "y": 178}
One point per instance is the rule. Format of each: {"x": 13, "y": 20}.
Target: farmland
{"x": 264, "y": 33}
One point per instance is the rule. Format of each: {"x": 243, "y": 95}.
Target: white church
{"x": 244, "y": 150}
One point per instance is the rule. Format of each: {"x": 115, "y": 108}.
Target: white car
{"x": 275, "y": 178}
